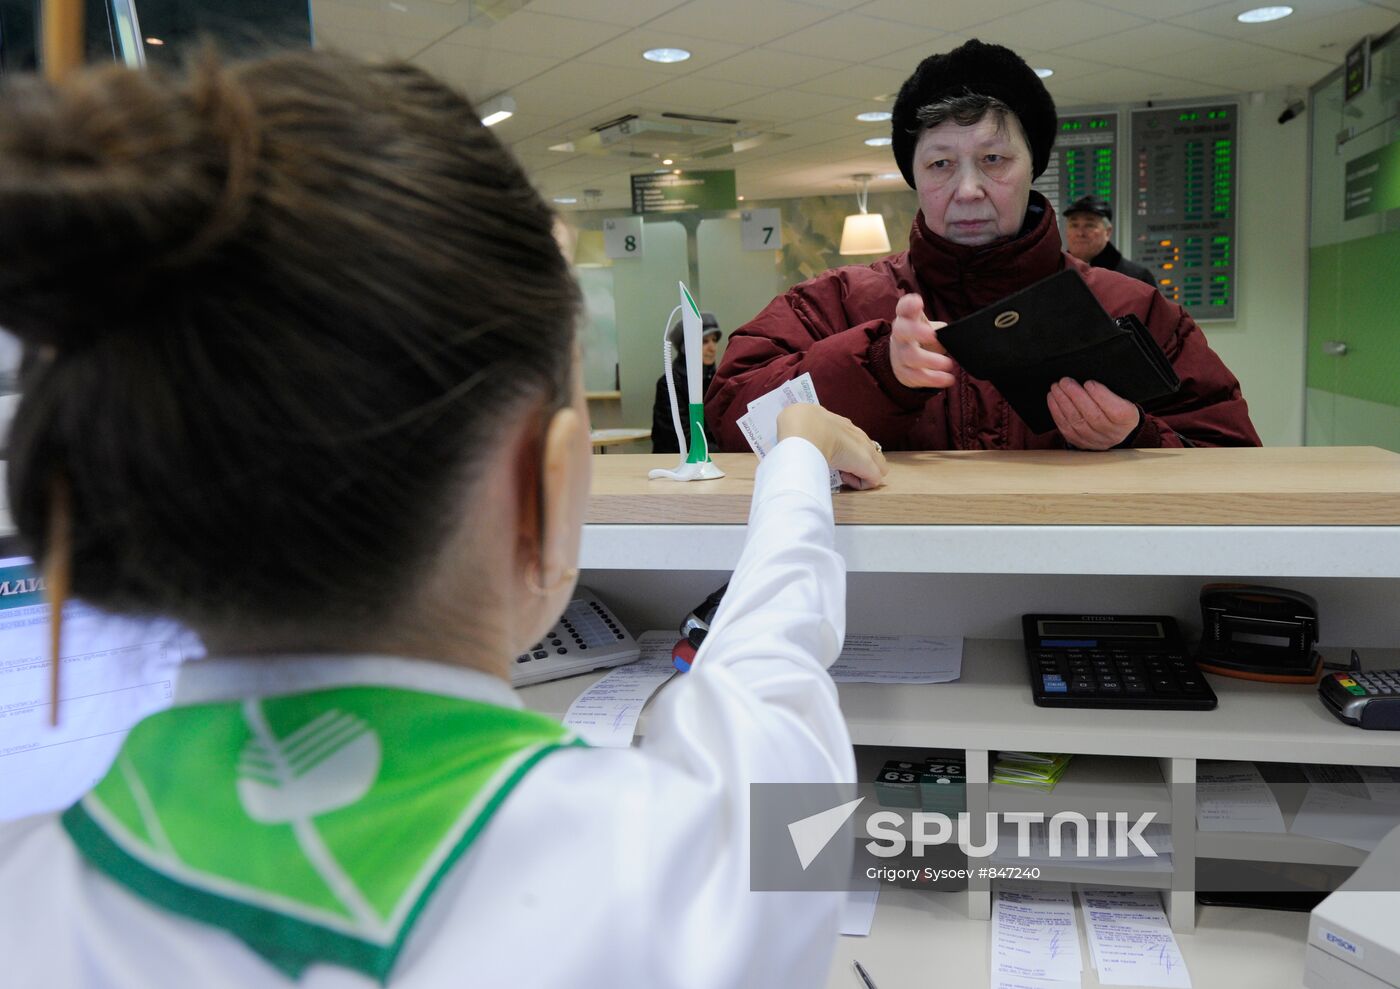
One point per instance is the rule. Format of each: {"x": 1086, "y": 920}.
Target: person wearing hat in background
{"x": 663, "y": 430}
{"x": 1088, "y": 227}
{"x": 972, "y": 128}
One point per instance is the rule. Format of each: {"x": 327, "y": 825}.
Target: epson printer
{"x": 1354, "y": 934}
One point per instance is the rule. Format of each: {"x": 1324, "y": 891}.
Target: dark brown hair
{"x": 276, "y": 310}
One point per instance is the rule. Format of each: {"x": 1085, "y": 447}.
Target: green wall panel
{"x": 1354, "y": 297}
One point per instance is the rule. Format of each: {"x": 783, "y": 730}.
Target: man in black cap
{"x": 663, "y": 430}
{"x": 1088, "y": 227}
{"x": 972, "y": 128}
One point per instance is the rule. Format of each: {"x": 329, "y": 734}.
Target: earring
{"x": 532, "y": 579}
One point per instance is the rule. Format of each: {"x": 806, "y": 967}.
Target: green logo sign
{"x": 1373, "y": 182}
{"x": 678, "y": 192}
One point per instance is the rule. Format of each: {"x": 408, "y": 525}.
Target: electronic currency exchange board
{"x": 1184, "y": 172}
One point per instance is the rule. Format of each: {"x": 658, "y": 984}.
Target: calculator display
{"x": 1101, "y": 630}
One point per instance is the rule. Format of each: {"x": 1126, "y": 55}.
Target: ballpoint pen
{"x": 865, "y": 978}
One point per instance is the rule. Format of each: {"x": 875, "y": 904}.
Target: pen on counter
{"x": 865, "y": 978}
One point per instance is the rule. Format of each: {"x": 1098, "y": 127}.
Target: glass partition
{"x": 1353, "y": 391}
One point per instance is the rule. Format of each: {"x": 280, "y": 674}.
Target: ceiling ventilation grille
{"x": 671, "y": 135}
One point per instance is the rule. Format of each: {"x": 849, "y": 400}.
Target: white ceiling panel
{"x": 1058, "y": 23}
{"x": 625, "y": 51}
{"x": 740, "y": 21}
{"x": 1064, "y": 66}
{"x": 946, "y": 15}
{"x": 422, "y": 20}
{"x": 910, "y": 57}
{"x": 1128, "y": 85}
{"x": 772, "y": 68}
{"x": 862, "y": 82}
{"x": 1132, "y": 47}
{"x": 789, "y": 105}
{"x": 1338, "y": 31}
{"x": 695, "y": 95}
{"x": 849, "y": 37}
{"x": 1212, "y": 55}
{"x": 528, "y": 33}
{"x": 480, "y": 72}
{"x": 628, "y": 13}
{"x": 1291, "y": 70}
{"x": 1163, "y": 9}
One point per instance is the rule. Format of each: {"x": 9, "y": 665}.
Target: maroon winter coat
{"x": 837, "y": 326}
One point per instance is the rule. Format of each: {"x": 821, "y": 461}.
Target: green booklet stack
{"x": 897, "y": 784}
{"x": 938, "y": 783}
{"x": 943, "y": 785}
{"x": 1040, "y": 770}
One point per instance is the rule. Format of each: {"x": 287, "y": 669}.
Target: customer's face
{"x": 973, "y": 182}
{"x": 1086, "y": 235}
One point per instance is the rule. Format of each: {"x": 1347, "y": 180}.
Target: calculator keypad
{"x": 1107, "y": 674}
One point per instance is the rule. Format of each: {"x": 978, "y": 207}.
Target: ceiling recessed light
{"x": 675, "y": 171}
{"x": 1045, "y": 73}
{"x": 665, "y": 55}
{"x": 155, "y": 41}
{"x": 497, "y": 109}
{"x": 566, "y": 200}
{"x": 889, "y": 175}
{"x": 1260, "y": 15}
{"x": 879, "y": 142}
{"x": 740, "y": 198}
{"x": 667, "y": 161}
{"x": 873, "y": 116}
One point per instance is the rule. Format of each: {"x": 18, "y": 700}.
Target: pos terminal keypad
{"x": 1112, "y": 661}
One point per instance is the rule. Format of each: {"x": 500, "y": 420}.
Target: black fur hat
{"x": 986, "y": 70}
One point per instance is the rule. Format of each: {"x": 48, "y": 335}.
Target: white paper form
{"x": 858, "y": 913}
{"x": 1332, "y": 814}
{"x": 1130, "y": 939}
{"x": 1382, "y": 782}
{"x": 1232, "y": 796}
{"x": 606, "y": 713}
{"x": 898, "y": 659}
{"x": 1155, "y": 836}
{"x": 1035, "y": 937}
{"x": 113, "y": 673}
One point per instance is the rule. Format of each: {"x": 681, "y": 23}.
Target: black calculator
{"x": 1112, "y": 661}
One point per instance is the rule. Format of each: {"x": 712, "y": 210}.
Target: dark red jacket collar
{"x": 965, "y": 278}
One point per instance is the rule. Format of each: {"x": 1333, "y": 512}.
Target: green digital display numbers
{"x": 1184, "y": 204}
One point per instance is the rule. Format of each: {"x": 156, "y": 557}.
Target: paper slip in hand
{"x": 760, "y": 424}
{"x": 898, "y": 659}
{"x": 606, "y": 713}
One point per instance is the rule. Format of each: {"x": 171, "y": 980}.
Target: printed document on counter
{"x": 1130, "y": 941}
{"x": 898, "y": 659}
{"x": 1232, "y": 796}
{"x": 1035, "y": 937}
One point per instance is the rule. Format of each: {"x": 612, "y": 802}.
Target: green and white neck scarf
{"x": 312, "y": 826}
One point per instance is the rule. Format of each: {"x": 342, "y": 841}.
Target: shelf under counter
{"x": 990, "y": 708}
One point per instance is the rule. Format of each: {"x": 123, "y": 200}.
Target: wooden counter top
{"x": 1352, "y": 486}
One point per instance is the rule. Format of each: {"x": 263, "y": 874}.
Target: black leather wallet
{"x": 1056, "y": 329}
